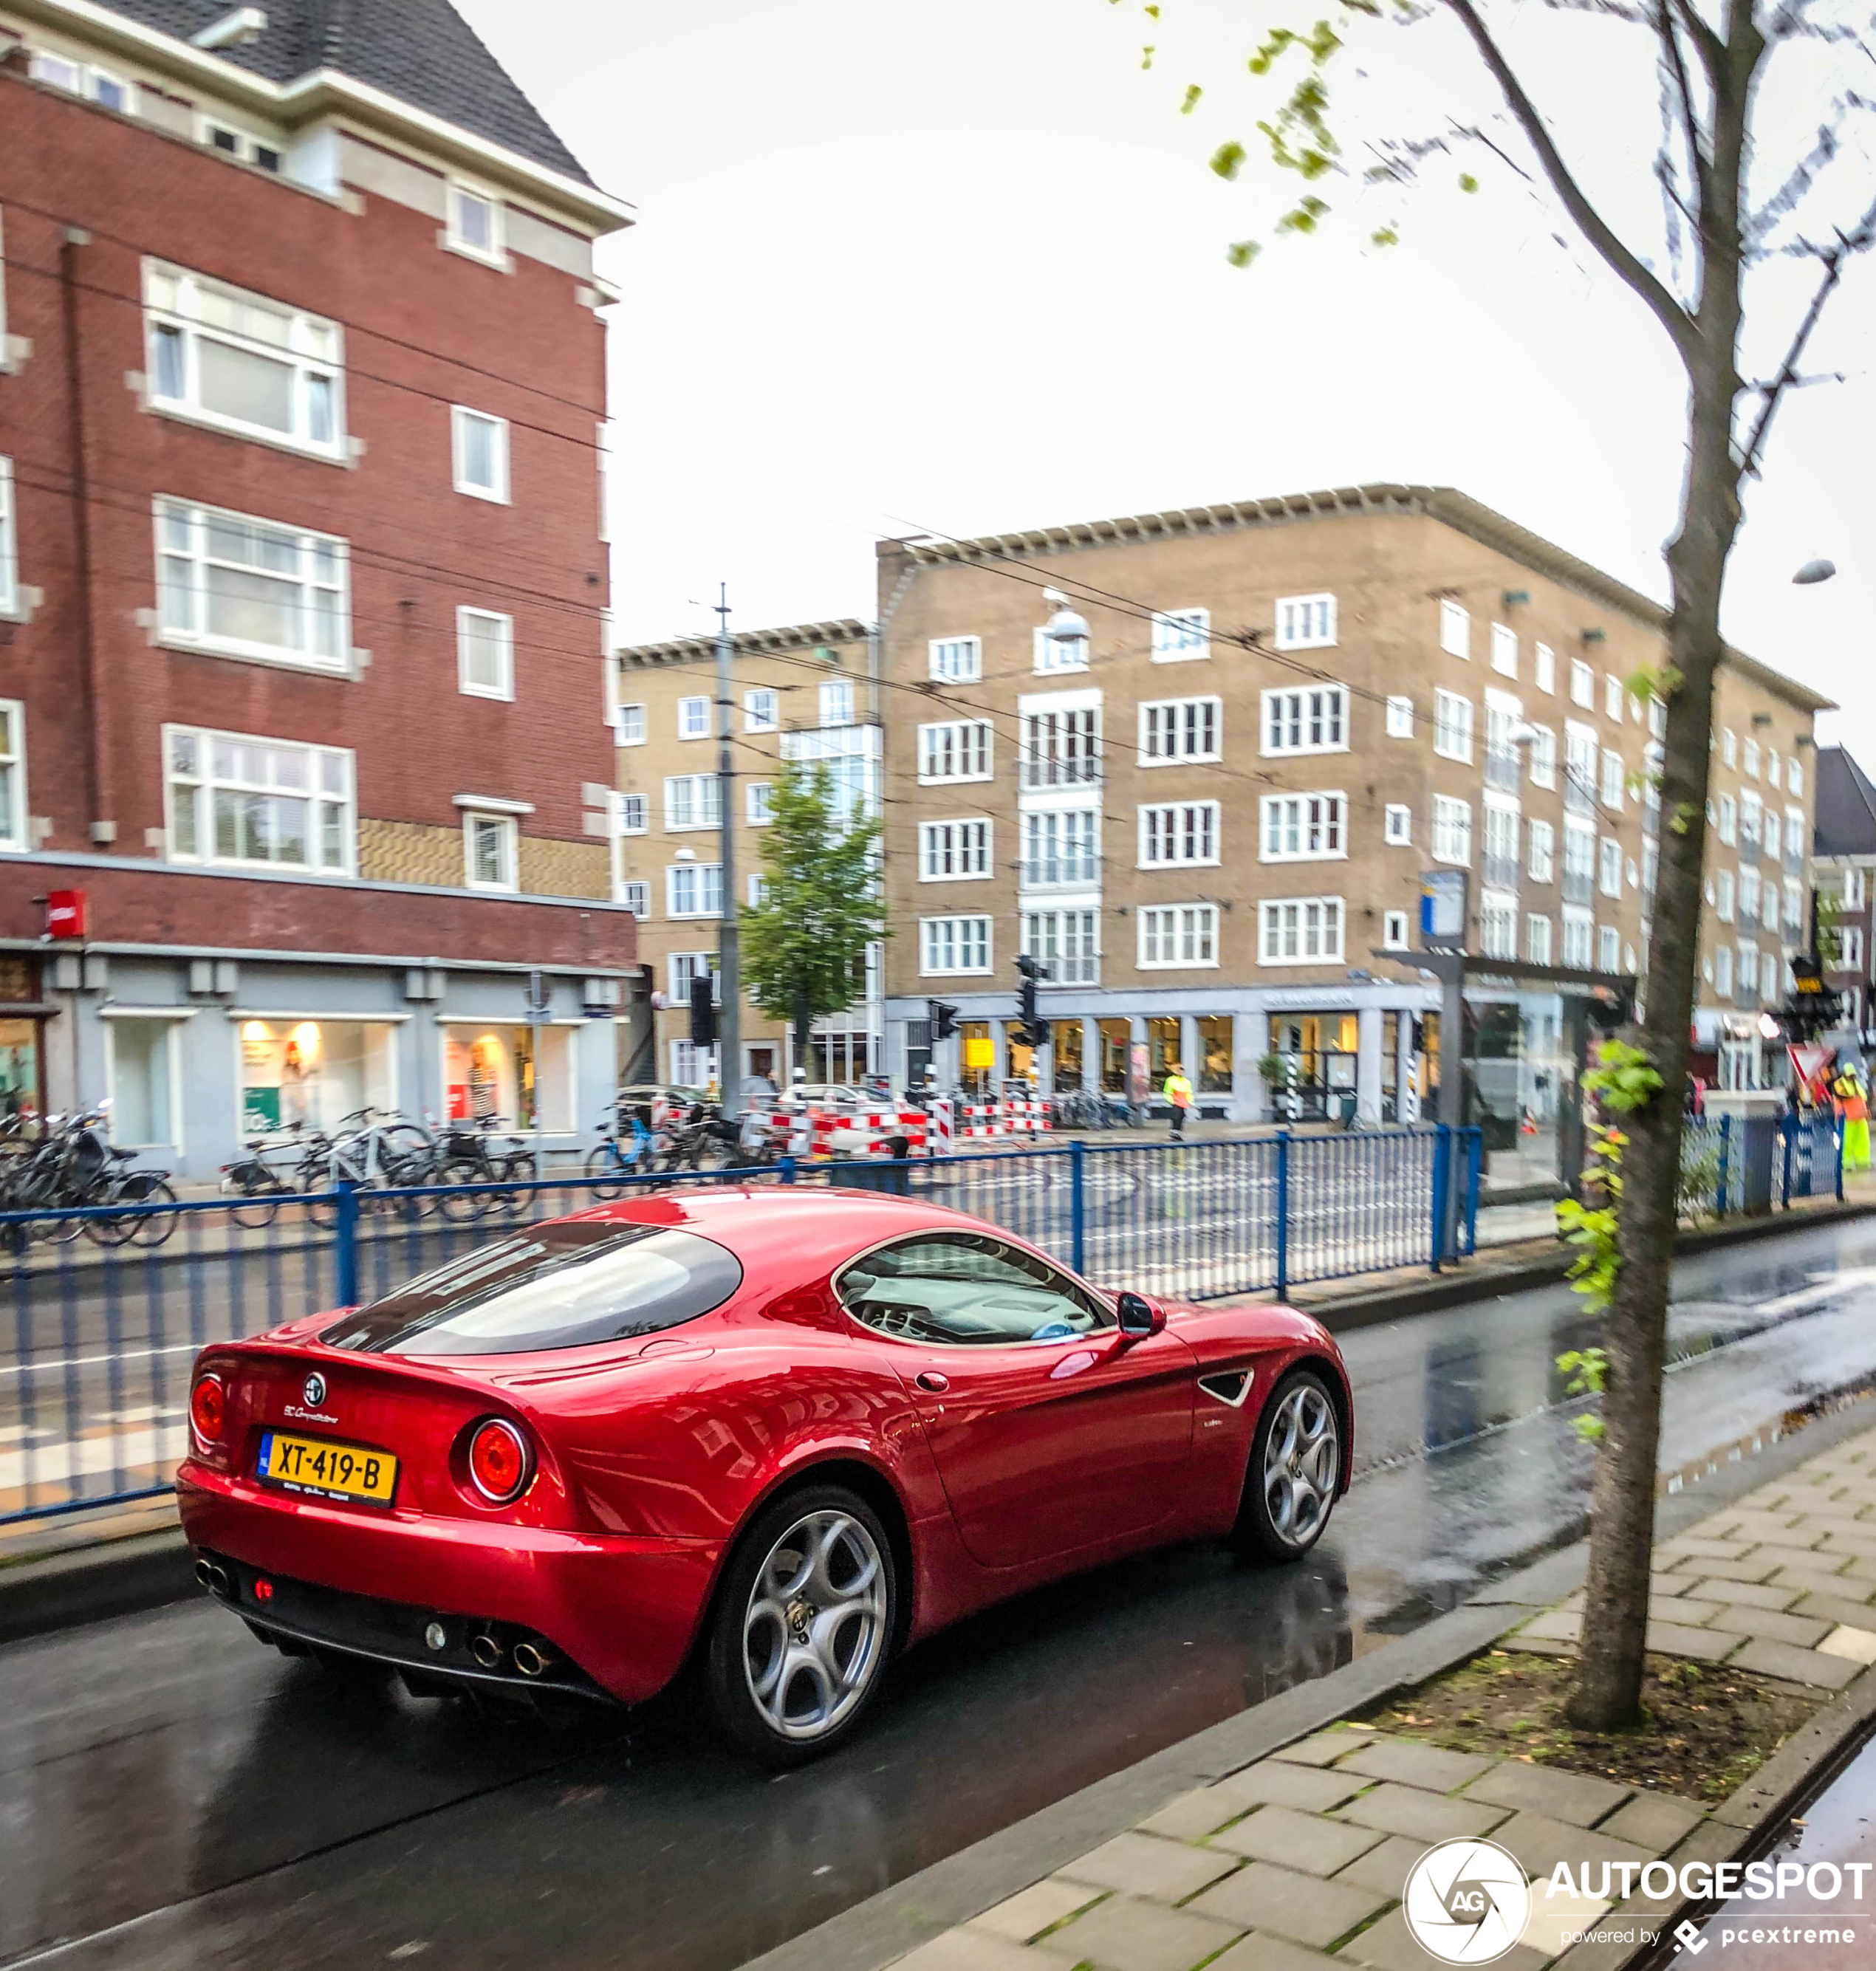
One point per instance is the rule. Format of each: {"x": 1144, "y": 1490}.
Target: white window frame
{"x": 1614, "y": 772}
{"x": 1794, "y": 776}
{"x": 1400, "y": 716}
{"x": 192, "y": 563}
{"x": 493, "y": 252}
{"x": 634, "y": 896}
{"x": 1321, "y": 709}
{"x": 686, "y": 712}
{"x": 1537, "y": 939}
{"x": 1319, "y": 915}
{"x": 1725, "y": 892}
{"x": 1504, "y": 650}
{"x": 697, "y": 797}
{"x": 1079, "y": 829}
{"x": 13, "y": 810}
{"x": 1180, "y": 636}
{"x": 1053, "y": 655}
{"x": 1397, "y": 825}
{"x": 1608, "y": 948}
{"x": 759, "y": 803}
{"x": 1749, "y": 758}
{"x": 1582, "y": 684}
{"x": 965, "y": 743}
{"x": 1452, "y": 831}
{"x": 942, "y": 944}
{"x": 963, "y": 842}
{"x": 313, "y": 352}
{"x": 1188, "y": 927}
{"x": 1455, "y": 630}
{"x": 1850, "y": 958}
{"x": 1612, "y": 696}
{"x": 762, "y": 709}
{"x": 955, "y": 659}
{"x": 1609, "y": 866}
{"x": 1729, "y": 747}
{"x": 834, "y": 701}
{"x": 505, "y": 830}
{"x": 1048, "y": 934}
{"x": 9, "y": 536}
{"x": 1727, "y": 824}
{"x": 1577, "y": 944}
{"x": 1178, "y": 825}
{"x": 461, "y": 416}
{"x": 1453, "y": 714}
{"x": 1540, "y": 850}
{"x": 702, "y": 872}
{"x": 1542, "y": 757}
{"x": 1320, "y": 816}
{"x": 1181, "y": 719}
{"x": 266, "y": 154}
{"x": 202, "y": 783}
{"x": 1544, "y": 668}
{"x": 467, "y": 617}
{"x": 1394, "y": 930}
{"x": 1306, "y": 622}
{"x": 1723, "y": 971}
{"x": 635, "y": 814}
{"x": 1497, "y": 924}
{"x": 628, "y": 725}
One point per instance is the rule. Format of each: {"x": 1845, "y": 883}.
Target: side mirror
{"x": 1139, "y": 1316}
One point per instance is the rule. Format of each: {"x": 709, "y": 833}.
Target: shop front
{"x": 520, "y": 1076}
{"x": 1316, "y": 1055}
{"x": 295, "y": 1074}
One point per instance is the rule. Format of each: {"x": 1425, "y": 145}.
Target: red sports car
{"x": 778, "y": 1433}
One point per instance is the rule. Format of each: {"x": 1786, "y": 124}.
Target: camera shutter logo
{"x": 313, "y": 1390}
{"x": 1466, "y": 1901}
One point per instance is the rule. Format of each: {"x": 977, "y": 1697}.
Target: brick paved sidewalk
{"x": 1297, "y": 1862}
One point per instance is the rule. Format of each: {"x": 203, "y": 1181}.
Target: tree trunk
{"x": 803, "y": 1020}
{"x": 1606, "y": 1695}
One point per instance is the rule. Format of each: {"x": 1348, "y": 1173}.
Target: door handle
{"x": 930, "y": 1378}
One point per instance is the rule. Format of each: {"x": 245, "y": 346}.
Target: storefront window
{"x": 1066, "y": 1051}
{"x": 523, "y": 1074}
{"x": 837, "y": 1058}
{"x": 1215, "y": 1048}
{"x": 1115, "y": 1035}
{"x": 1018, "y": 1052}
{"x": 142, "y": 1087}
{"x": 1324, "y": 1046}
{"x": 1164, "y": 1050}
{"x": 313, "y": 1072}
{"x": 976, "y": 1055}
{"x": 19, "y": 1067}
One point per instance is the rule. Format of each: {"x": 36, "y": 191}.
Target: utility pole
{"x": 729, "y": 956}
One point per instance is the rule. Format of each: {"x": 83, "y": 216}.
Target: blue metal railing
{"x": 1748, "y": 1164}
{"x": 109, "y": 1304}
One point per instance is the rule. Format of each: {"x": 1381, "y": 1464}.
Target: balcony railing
{"x": 1052, "y": 871}
{"x": 1579, "y": 886}
{"x": 1075, "y": 971}
{"x": 1579, "y": 797}
{"x": 1748, "y": 847}
{"x": 1060, "y": 773}
{"x": 1501, "y": 871}
{"x": 1794, "y": 856}
{"x": 1501, "y": 771}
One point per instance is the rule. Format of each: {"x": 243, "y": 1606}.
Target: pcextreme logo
{"x": 1467, "y": 1902}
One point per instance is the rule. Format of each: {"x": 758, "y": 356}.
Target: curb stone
{"x": 93, "y": 1584}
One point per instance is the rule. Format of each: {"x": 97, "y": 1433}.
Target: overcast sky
{"x": 904, "y": 266}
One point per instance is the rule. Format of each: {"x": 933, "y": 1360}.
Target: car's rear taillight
{"x": 208, "y": 1409}
{"x": 501, "y": 1462}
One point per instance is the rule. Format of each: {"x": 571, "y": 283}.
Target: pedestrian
{"x": 1178, "y": 1092}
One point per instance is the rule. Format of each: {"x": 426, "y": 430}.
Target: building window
{"x": 1452, "y": 726}
{"x": 1794, "y": 904}
{"x": 1723, "y": 889}
{"x": 1400, "y": 719}
{"x": 1504, "y": 658}
{"x": 236, "y": 360}
{"x": 1311, "y": 721}
{"x": 1853, "y": 888}
{"x": 635, "y": 897}
{"x": 1608, "y": 948}
{"x": 1751, "y": 810}
{"x": 1394, "y": 930}
{"x": 694, "y": 890}
{"x": 1579, "y": 932}
{"x": 1612, "y": 698}
{"x": 693, "y": 1065}
{"x": 759, "y": 803}
{"x": 475, "y": 223}
{"x": 952, "y": 849}
{"x": 491, "y": 850}
{"x": 1543, "y": 757}
{"x": 758, "y": 891}
{"x": 1178, "y": 634}
{"x": 1300, "y": 828}
{"x": 693, "y": 719}
{"x": 628, "y": 725}
{"x": 1772, "y": 833}
{"x": 1768, "y": 907}
{"x": 241, "y": 802}
{"x": 1748, "y": 895}
{"x": 143, "y": 1082}
{"x": 683, "y": 968}
{"x": 1061, "y": 847}
{"x": 1177, "y": 934}
{"x": 485, "y": 653}
{"x": 1609, "y": 875}
{"x": 1541, "y": 842}
{"x": 1537, "y": 940}
{"x": 1452, "y": 829}
{"x": 953, "y": 945}
{"x": 1612, "y": 781}
{"x": 1543, "y": 665}
{"x": 1397, "y": 826}
{"x": 1498, "y": 926}
{"x": 1060, "y": 653}
{"x": 12, "y": 774}
{"x": 1728, "y": 821}
{"x": 692, "y": 800}
{"x": 9, "y": 552}
{"x": 835, "y": 700}
{"x": 1582, "y": 692}
{"x": 1773, "y": 771}
{"x": 1749, "y": 764}
{"x": 237, "y": 586}
{"x": 479, "y": 449}
{"x": 1061, "y": 748}
{"x": 1065, "y": 942}
{"x": 1850, "y": 954}
{"x": 959, "y": 751}
{"x": 1723, "y": 972}
{"x": 241, "y": 144}
{"x": 957, "y": 660}
{"x": 633, "y": 818}
{"x": 1173, "y": 729}
{"x": 1501, "y": 845}
{"x": 1794, "y": 778}
{"x": 1300, "y": 930}
{"x": 1729, "y": 747}
{"x": 1455, "y": 630}
{"x": 1306, "y": 622}
{"x": 760, "y": 711}
{"x": 1651, "y": 870}
{"x": 97, "y": 85}
{"x": 1181, "y": 832}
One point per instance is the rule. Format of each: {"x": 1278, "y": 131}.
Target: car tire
{"x": 1294, "y": 1471}
{"x": 799, "y": 1638}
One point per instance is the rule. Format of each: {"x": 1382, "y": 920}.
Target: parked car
{"x": 778, "y": 1433}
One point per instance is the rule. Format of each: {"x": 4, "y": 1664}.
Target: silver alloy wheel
{"x": 1302, "y": 1463}
{"x": 814, "y": 1633}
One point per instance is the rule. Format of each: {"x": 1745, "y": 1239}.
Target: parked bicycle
{"x": 470, "y": 1156}
{"x": 68, "y": 1162}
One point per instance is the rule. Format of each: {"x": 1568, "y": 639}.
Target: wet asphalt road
{"x": 172, "y": 1795}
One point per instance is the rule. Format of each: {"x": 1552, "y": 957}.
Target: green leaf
{"x": 1146, "y": 56}
{"x": 1193, "y": 92}
{"x": 1384, "y": 235}
{"x": 1228, "y": 160}
{"x": 1467, "y": 182}
{"x": 1242, "y": 252}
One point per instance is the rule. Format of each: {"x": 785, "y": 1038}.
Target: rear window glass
{"x": 558, "y": 1285}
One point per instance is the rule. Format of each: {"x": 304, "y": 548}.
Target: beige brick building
{"x": 1211, "y": 817}
{"x": 806, "y": 693}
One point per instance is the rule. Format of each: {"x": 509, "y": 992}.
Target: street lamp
{"x": 1814, "y": 571}
{"x": 1769, "y": 1028}
{"x": 1066, "y": 625}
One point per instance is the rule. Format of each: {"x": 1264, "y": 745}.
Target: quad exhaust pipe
{"x": 534, "y": 1658}
{"x": 486, "y": 1650}
{"x": 213, "y": 1576}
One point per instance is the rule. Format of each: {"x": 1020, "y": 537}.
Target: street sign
{"x": 1443, "y": 908}
{"x": 66, "y": 914}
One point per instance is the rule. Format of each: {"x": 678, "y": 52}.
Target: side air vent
{"x": 1230, "y": 1387}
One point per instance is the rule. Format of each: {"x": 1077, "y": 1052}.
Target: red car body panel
{"x": 1009, "y": 1467}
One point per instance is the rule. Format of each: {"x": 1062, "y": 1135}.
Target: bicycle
{"x": 393, "y": 1155}
{"x": 469, "y": 1157}
{"x": 608, "y": 1165}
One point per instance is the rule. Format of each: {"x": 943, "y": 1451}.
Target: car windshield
{"x": 562, "y": 1284}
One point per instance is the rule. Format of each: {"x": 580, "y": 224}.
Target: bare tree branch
{"x": 1597, "y": 230}
{"x": 1690, "y": 123}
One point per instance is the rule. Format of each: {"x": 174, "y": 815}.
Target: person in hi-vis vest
{"x": 1177, "y": 1091}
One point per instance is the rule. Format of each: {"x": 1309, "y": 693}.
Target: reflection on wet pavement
{"x": 166, "y": 1765}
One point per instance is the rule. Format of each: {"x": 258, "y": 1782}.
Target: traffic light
{"x": 1035, "y": 1029}
{"x": 944, "y": 1019}
{"x": 702, "y": 1009}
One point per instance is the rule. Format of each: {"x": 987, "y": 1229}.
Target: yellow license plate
{"x": 329, "y": 1470}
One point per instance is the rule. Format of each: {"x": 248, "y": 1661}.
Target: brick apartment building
{"x": 1210, "y": 817}
{"x": 1844, "y": 872}
{"x": 805, "y": 694}
{"x": 302, "y": 579}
